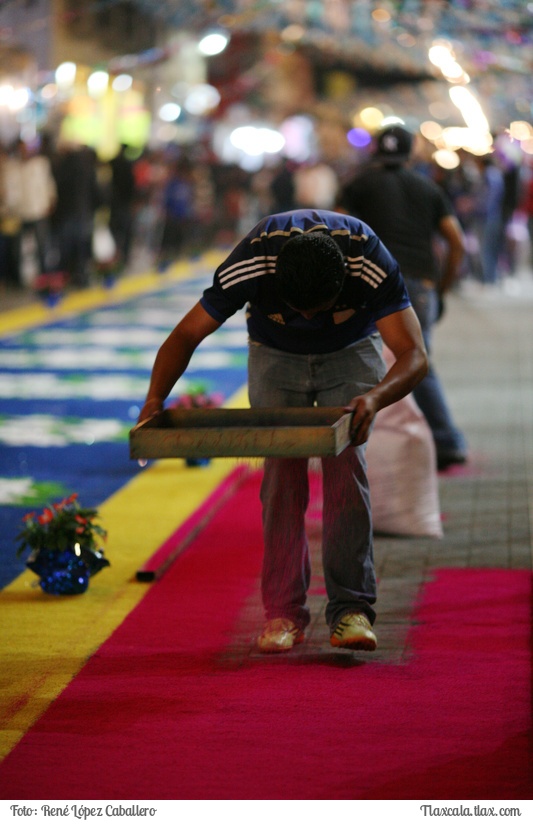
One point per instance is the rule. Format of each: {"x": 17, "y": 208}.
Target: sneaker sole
{"x": 273, "y": 650}
{"x": 367, "y": 645}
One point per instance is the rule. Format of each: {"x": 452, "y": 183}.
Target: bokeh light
{"x": 65, "y": 74}
{"x": 213, "y": 43}
{"x": 97, "y": 83}
{"x": 169, "y": 112}
{"x": 122, "y": 82}
{"x": 371, "y": 118}
{"x": 359, "y": 138}
{"x": 201, "y": 99}
{"x": 446, "y": 159}
{"x": 431, "y": 130}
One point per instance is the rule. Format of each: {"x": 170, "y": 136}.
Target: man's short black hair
{"x": 310, "y": 271}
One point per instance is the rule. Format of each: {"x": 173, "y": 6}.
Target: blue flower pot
{"x": 52, "y": 300}
{"x": 63, "y": 572}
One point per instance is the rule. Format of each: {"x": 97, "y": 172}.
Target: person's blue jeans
{"x": 492, "y": 241}
{"x": 429, "y": 394}
{"x": 281, "y": 379}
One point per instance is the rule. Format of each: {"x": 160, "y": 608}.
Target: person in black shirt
{"x": 409, "y": 211}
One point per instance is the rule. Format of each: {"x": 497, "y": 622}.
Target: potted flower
{"x": 64, "y": 540}
{"x": 108, "y": 270}
{"x": 198, "y": 398}
{"x": 50, "y": 286}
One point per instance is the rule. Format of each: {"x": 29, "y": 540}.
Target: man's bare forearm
{"x": 405, "y": 373}
{"x": 171, "y": 362}
{"x": 174, "y": 356}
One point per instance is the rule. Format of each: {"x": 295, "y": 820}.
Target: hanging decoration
{"x": 383, "y": 41}
{"x": 499, "y": 26}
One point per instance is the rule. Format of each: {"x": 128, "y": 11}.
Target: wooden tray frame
{"x": 242, "y": 433}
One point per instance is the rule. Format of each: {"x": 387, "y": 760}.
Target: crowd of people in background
{"x": 164, "y": 203}
{"x": 70, "y": 220}
{"x": 62, "y": 209}
{"x": 492, "y": 197}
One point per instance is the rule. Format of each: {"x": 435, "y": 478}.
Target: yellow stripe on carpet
{"x": 47, "y": 639}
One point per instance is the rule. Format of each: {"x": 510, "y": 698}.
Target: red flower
{"x": 46, "y": 517}
{"x": 198, "y": 399}
{"x": 60, "y": 525}
{"x": 50, "y": 282}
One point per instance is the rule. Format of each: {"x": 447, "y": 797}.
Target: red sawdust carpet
{"x": 163, "y": 711}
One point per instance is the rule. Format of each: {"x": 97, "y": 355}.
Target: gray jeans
{"x": 282, "y": 379}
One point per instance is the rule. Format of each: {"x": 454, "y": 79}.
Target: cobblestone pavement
{"x": 483, "y": 351}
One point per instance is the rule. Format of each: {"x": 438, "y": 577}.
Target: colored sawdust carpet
{"x": 174, "y": 705}
{"x": 72, "y": 384}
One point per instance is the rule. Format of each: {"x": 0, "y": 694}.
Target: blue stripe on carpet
{"x": 70, "y": 391}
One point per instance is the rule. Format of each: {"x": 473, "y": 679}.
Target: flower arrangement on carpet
{"x": 64, "y": 540}
{"x": 50, "y": 286}
{"x": 109, "y": 269}
{"x": 198, "y": 398}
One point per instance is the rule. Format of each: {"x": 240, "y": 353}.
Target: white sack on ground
{"x": 402, "y": 473}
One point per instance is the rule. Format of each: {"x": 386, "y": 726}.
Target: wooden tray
{"x": 217, "y": 433}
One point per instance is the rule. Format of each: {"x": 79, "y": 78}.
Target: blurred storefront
{"x": 306, "y": 79}
{"x": 57, "y": 74}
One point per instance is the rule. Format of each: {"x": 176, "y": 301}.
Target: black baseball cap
{"x": 394, "y": 144}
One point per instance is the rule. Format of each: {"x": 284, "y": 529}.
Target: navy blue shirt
{"x": 373, "y": 287}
